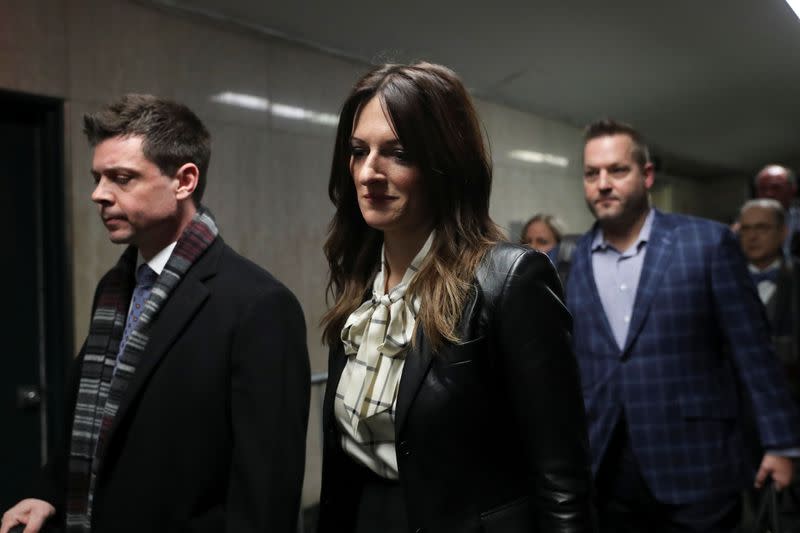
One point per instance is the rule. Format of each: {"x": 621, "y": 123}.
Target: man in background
{"x": 780, "y": 183}
{"x": 762, "y": 234}
{"x": 655, "y": 299}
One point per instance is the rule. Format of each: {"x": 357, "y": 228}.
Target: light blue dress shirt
{"x": 616, "y": 275}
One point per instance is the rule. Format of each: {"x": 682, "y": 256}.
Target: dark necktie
{"x": 145, "y": 278}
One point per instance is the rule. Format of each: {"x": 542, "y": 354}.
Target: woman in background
{"x": 453, "y": 402}
{"x": 545, "y": 233}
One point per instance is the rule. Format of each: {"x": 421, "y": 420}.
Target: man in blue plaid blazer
{"x": 671, "y": 338}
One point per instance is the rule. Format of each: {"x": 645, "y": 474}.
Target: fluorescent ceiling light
{"x": 795, "y": 5}
{"x": 530, "y": 156}
{"x": 288, "y": 111}
{"x": 298, "y": 113}
{"x": 257, "y": 103}
{"x": 248, "y": 101}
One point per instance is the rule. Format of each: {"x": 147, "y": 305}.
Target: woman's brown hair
{"x": 435, "y": 121}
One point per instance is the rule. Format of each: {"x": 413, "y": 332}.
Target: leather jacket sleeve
{"x": 532, "y": 341}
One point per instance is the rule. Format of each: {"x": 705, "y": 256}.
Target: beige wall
{"x": 268, "y": 175}
{"x": 522, "y": 188}
{"x": 716, "y": 198}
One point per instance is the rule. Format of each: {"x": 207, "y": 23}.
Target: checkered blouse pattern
{"x": 375, "y": 339}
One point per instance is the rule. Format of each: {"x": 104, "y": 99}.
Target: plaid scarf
{"x": 101, "y": 388}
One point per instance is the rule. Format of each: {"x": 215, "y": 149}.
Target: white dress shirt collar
{"x": 159, "y": 261}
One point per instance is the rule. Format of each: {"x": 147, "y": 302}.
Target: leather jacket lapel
{"x": 418, "y": 360}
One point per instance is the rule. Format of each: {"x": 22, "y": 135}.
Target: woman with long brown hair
{"x": 453, "y": 402}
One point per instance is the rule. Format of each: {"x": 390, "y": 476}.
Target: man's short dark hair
{"x": 172, "y": 134}
{"x": 608, "y": 126}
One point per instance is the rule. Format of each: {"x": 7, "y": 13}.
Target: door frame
{"x": 54, "y": 289}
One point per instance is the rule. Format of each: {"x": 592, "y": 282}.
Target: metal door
{"x": 33, "y": 295}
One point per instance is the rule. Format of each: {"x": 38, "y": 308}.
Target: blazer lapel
{"x": 583, "y": 270}
{"x": 779, "y": 305}
{"x": 419, "y": 356}
{"x": 179, "y": 309}
{"x": 658, "y": 252}
{"x": 776, "y": 301}
{"x": 418, "y": 359}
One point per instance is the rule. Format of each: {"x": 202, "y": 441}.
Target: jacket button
{"x": 419, "y": 530}
{"x": 403, "y": 448}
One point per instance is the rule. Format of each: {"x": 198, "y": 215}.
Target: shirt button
{"x": 623, "y": 287}
{"x": 627, "y": 319}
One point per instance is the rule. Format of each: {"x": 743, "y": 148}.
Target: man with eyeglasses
{"x": 762, "y": 233}
{"x": 763, "y": 230}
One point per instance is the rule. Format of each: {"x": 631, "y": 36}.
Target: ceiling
{"x": 713, "y": 84}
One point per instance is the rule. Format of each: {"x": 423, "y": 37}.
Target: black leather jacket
{"x": 490, "y": 433}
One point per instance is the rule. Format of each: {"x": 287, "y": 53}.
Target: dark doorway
{"x": 35, "y": 315}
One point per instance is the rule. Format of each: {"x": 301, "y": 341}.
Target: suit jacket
{"x": 490, "y": 433}
{"x": 783, "y": 312}
{"x": 210, "y": 435}
{"x": 697, "y": 331}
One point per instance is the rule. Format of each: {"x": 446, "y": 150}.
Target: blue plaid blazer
{"x": 698, "y": 337}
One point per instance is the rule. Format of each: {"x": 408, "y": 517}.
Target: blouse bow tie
{"x": 386, "y": 322}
